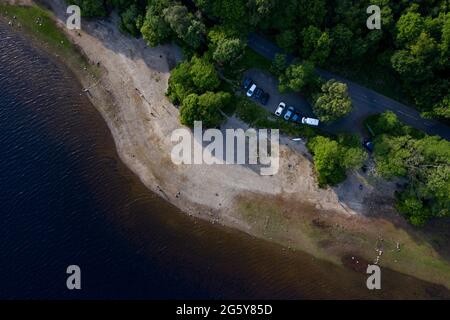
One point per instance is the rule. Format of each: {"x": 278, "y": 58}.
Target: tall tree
{"x": 185, "y": 25}
{"x": 297, "y": 77}
{"x": 333, "y": 102}
{"x": 316, "y": 45}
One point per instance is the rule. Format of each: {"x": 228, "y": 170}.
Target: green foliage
{"x": 342, "y": 38}
{"x": 155, "y": 30}
{"x": 414, "y": 40}
{"x": 409, "y": 27}
{"x": 316, "y": 45}
{"x": 333, "y": 102}
{"x": 298, "y": 77}
{"x": 391, "y": 155}
{"x": 279, "y": 64}
{"x": 230, "y": 12}
{"x": 333, "y": 158}
{"x": 195, "y": 76}
{"x": 203, "y": 74}
{"x": 227, "y": 48}
{"x": 205, "y": 108}
{"x": 423, "y": 160}
{"x": 130, "y": 20}
{"x": 192, "y": 85}
{"x": 250, "y": 112}
{"x": 251, "y": 59}
{"x": 287, "y": 40}
{"x": 422, "y": 59}
{"x": 185, "y": 25}
{"x": 91, "y": 8}
{"x": 387, "y": 122}
{"x": 180, "y": 83}
{"x": 442, "y": 108}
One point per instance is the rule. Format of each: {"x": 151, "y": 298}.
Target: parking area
{"x": 269, "y": 84}
{"x": 351, "y": 123}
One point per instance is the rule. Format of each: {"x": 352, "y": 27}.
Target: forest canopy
{"x": 412, "y": 45}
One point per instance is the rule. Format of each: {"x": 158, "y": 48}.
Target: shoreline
{"x": 134, "y": 76}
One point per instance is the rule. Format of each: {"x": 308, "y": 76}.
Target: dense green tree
{"x": 342, "y": 39}
{"x": 203, "y": 74}
{"x": 387, "y": 122}
{"x": 185, "y": 25}
{"x": 259, "y": 10}
{"x": 442, "y": 108}
{"x": 409, "y": 27}
{"x": 391, "y": 155}
{"x": 195, "y": 76}
{"x": 279, "y": 64}
{"x": 333, "y": 158}
{"x": 91, "y": 8}
{"x": 229, "y": 12}
{"x": 352, "y": 154}
{"x": 130, "y": 20}
{"x": 180, "y": 83}
{"x": 316, "y": 45}
{"x": 297, "y": 77}
{"x": 226, "y": 47}
{"x": 445, "y": 40}
{"x": 333, "y": 102}
{"x": 155, "y": 30}
{"x": 205, "y": 108}
{"x": 311, "y": 12}
{"x": 287, "y": 40}
{"x": 228, "y": 51}
{"x": 423, "y": 160}
{"x": 419, "y": 65}
{"x": 326, "y": 155}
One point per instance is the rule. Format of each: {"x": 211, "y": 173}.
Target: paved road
{"x": 365, "y": 101}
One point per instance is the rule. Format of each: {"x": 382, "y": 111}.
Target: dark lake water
{"x": 66, "y": 198}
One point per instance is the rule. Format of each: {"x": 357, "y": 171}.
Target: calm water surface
{"x": 65, "y": 198}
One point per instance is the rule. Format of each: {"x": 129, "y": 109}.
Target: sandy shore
{"x": 287, "y": 208}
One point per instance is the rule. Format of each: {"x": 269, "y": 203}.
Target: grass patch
{"x": 38, "y": 23}
{"x": 291, "y": 224}
{"x": 253, "y": 60}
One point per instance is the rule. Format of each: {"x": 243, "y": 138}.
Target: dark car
{"x": 297, "y": 117}
{"x": 368, "y": 144}
{"x": 247, "y": 83}
{"x": 264, "y": 98}
{"x": 258, "y": 94}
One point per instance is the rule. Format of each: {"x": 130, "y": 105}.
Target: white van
{"x": 310, "y": 121}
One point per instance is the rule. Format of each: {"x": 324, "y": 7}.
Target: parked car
{"x": 251, "y": 90}
{"x": 264, "y": 98}
{"x": 289, "y": 113}
{"x": 368, "y": 144}
{"x": 280, "y": 109}
{"x": 310, "y": 121}
{"x": 297, "y": 117}
{"x": 258, "y": 94}
{"x": 247, "y": 83}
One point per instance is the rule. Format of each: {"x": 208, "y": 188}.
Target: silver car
{"x": 251, "y": 90}
{"x": 289, "y": 113}
{"x": 280, "y": 109}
